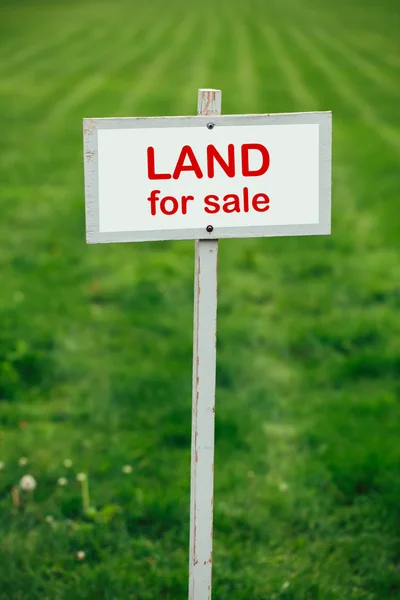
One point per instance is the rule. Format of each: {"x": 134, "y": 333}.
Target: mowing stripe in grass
{"x": 153, "y": 72}
{"x": 378, "y": 45}
{"x": 269, "y": 77}
{"x": 89, "y": 62}
{"x": 247, "y": 88}
{"x": 30, "y": 53}
{"x": 200, "y": 73}
{"x": 302, "y": 96}
{"x": 351, "y": 28}
{"x": 222, "y": 63}
{"x": 393, "y": 61}
{"x": 45, "y": 90}
{"x": 369, "y": 70}
{"x": 361, "y": 42}
{"x": 355, "y": 21}
{"x": 344, "y": 90}
{"x": 90, "y": 85}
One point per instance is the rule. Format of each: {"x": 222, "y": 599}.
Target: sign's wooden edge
{"x": 91, "y": 127}
{"x": 307, "y": 118}
{"x": 95, "y": 237}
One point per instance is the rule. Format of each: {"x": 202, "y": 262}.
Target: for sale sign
{"x": 207, "y": 177}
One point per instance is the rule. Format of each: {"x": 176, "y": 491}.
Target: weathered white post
{"x": 203, "y": 407}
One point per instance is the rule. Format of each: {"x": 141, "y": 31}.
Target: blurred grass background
{"x": 95, "y": 342}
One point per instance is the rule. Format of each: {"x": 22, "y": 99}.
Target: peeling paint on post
{"x": 203, "y": 409}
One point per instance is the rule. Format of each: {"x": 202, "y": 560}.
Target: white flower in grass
{"x": 23, "y": 461}
{"x": 81, "y": 555}
{"x": 127, "y": 469}
{"x": 63, "y": 481}
{"x": 67, "y": 463}
{"x": 283, "y": 486}
{"x": 285, "y": 585}
{"x": 2, "y": 465}
{"x": 81, "y": 477}
{"x": 27, "y": 483}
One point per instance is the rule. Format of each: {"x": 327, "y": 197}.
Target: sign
{"x": 207, "y": 177}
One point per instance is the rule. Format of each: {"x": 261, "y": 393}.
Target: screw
{"x": 209, "y": 228}
{"x": 210, "y": 126}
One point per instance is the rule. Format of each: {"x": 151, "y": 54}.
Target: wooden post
{"x": 203, "y": 408}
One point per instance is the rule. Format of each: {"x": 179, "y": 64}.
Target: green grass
{"x": 95, "y": 342}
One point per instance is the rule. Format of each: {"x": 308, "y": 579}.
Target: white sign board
{"x": 207, "y": 177}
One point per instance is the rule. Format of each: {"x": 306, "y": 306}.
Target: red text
{"x": 225, "y": 162}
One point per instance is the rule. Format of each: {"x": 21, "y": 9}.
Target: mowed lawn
{"x": 96, "y": 341}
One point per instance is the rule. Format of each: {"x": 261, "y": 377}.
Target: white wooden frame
{"x": 91, "y": 127}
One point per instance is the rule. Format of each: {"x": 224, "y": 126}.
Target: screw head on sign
{"x": 209, "y": 228}
{"x": 210, "y": 125}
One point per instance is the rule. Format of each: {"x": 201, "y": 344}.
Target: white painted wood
{"x": 261, "y": 227}
{"x": 209, "y": 103}
{"x": 203, "y": 401}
